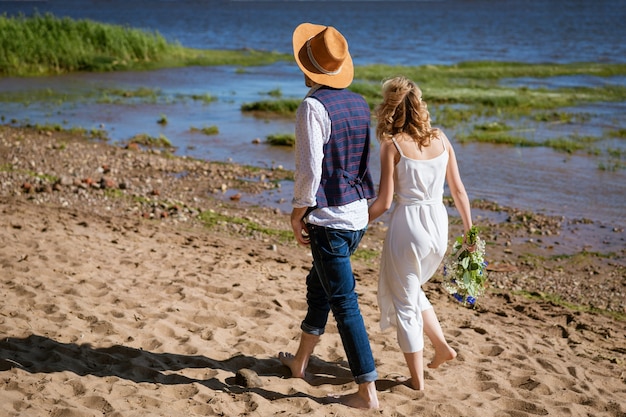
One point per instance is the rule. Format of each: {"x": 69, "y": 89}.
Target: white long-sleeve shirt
{"x": 313, "y": 129}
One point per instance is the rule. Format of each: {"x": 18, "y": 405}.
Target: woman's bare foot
{"x": 441, "y": 356}
{"x": 416, "y": 385}
{"x": 289, "y": 360}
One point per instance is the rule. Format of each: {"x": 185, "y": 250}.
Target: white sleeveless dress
{"x": 414, "y": 247}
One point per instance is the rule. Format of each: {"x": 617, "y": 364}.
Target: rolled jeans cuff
{"x": 368, "y": 377}
{"x": 315, "y": 331}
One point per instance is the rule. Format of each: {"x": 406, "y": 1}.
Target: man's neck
{"x": 313, "y": 89}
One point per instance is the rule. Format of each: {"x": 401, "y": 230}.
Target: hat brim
{"x": 301, "y": 35}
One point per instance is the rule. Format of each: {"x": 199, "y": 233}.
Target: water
{"x": 391, "y": 32}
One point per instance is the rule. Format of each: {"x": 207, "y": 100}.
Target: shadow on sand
{"x": 40, "y": 354}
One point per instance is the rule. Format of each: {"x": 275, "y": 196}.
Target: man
{"x": 330, "y": 204}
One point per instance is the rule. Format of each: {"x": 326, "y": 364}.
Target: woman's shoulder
{"x": 439, "y": 134}
{"x": 387, "y": 143}
{"x": 402, "y": 139}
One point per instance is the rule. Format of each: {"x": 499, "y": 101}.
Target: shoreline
{"x": 157, "y": 298}
{"x": 66, "y": 170}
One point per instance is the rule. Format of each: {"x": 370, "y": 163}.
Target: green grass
{"x": 284, "y": 139}
{"x": 571, "y": 144}
{"x": 479, "y": 84}
{"x": 207, "y": 130}
{"x": 614, "y": 160}
{"x": 484, "y": 72}
{"x": 555, "y": 116}
{"x": 500, "y": 134}
{"x": 46, "y": 44}
{"x": 95, "y": 134}
{"x": 121, "y": 96}
{"x": 368, "y": 256}
{"x": 467, "y": 93}
{"x": 493, "y": 127}
{"x": 117, "y": 96}
{"x": 283, "y": 107}
{"x": 211, "y": 218}
{"x": 151, "y": 141}
{"x": 619, "y": 133}
{"x": 206, "y": 98}
{"x": 275, "y": 93}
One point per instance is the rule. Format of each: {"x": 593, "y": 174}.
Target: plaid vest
{"x": 345, "y": 177}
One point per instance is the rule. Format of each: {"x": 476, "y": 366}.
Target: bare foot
{"x": 416, "y": 386}
{"x": 289, "y": 360}
{"x": 442, "y": 356}
{"x": 355, "y": 400}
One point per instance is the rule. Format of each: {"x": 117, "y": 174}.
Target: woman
{"x": 416, "y": 161}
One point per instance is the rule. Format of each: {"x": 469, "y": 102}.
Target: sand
{"x": 117, "y": 300}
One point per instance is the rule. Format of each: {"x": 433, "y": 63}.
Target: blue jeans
{"x": 331, "y": 286}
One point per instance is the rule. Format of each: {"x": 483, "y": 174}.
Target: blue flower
{"x": 464, "y": 299}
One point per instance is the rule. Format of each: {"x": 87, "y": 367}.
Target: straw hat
{"x": 322, "y": 54}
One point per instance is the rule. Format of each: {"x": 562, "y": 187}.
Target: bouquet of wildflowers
{"x": 464, "y": 274}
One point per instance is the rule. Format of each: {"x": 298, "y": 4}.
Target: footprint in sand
{"x": 491, "y": 350}
{"x": 521, "y": 407}
{"x": 531, "y": 384}
{"x": 96, "y": 402}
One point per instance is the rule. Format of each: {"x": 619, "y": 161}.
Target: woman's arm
{"x": 385, "y": 188}
{"x": 457, "y": 189}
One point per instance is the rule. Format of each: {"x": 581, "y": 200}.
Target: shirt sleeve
{"x": 312, "y": 132}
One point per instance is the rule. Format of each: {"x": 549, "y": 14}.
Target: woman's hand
{"x": 469, "y": 248}
{"x": 469, "y": 239}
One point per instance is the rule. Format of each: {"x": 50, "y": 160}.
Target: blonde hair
{"x": 403, "y": 111}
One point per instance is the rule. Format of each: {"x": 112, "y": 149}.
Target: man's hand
{"x": 299, "y": 228}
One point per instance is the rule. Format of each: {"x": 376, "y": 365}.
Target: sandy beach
{"x": 130, "y": 288}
